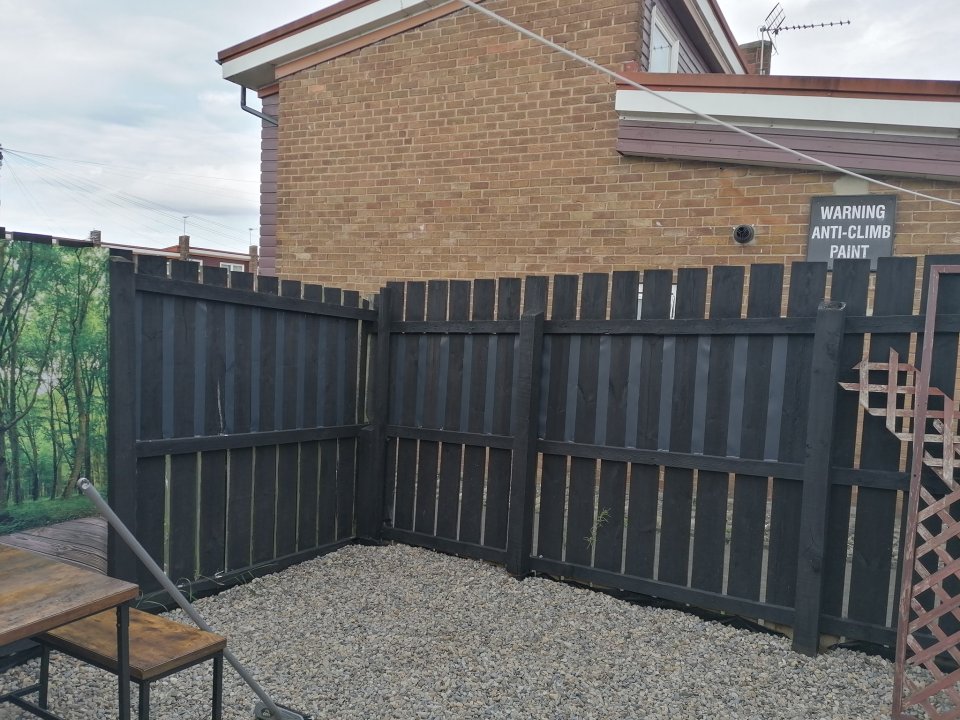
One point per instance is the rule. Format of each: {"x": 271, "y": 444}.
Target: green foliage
{"x": 30, "y": 513}
{"x": 53, "y": 375}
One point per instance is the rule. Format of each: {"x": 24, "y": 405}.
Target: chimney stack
{"x": 95, "y": 237}
{"x": 758, "y": 54}
{"x": 184, "y": 247}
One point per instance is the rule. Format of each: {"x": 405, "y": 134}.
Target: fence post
{"x": 828, "y": 336}
{"x": 370, "y": 485}
{"x": 524, "y": 424}
{"x": 121, "y": 416}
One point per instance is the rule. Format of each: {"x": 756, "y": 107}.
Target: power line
{"x": 710, "y": 118}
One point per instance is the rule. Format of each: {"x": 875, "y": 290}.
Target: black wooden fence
{"x": 701, "y": 453}
{"x": 236, "y": 412}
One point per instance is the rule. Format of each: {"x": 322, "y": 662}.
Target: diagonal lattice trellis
{"x": 929, "y": 619}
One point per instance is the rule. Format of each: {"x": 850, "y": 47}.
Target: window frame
{"x": 659, "y": 22}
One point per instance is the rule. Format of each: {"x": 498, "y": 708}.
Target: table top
{"x": 39, "y": 594}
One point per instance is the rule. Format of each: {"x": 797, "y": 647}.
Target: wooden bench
{"x": 158, "y": 647}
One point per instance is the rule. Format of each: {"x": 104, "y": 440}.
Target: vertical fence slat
{"x": 240, "y": 481}
{"x": 807, "y": 287}
{"x": 498, "y": 468}
{"x": 448, "y": 496}
{"x": 608, "y": 553}
{"x": 553, "y": 476}
{"x": 713, "y": 488}
{"x": 347, "y": 452}
{"x": 213, "y": 464}
{"x": 329, "y": 480}
{"x": 122, "y": 413}
{"x": 475, "y": 458}
{"x": 581, "y": 513}
{"x": 394, "y": 367}
{"x": 429, "y": 457}
{"x": 288, "y": 454}
{"x": 750, "y": 492}
{"x": 312, "y": 417}
{"x": 407, "y": 449}
{"x": 851, "y": 280}
{"x": 645, "y": 479}
{"x": 678, "y": 482}
{"x": 182, "y": 523}
{"x": 816, "y": 477}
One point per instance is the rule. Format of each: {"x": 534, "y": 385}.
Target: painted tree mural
{"x": 53, "y": 379}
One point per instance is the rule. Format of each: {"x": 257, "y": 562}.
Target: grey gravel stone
{"x": 400, "y": 632}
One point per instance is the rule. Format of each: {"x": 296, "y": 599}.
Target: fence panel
{"x": 224, "y": 483}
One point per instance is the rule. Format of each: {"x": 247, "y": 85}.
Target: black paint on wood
{"x": 448, "y": 495}
{"x": 851, "y": 280}
{"x": 645, "y": 479}
{"x": 346, "y": 487}
{"x": 391, "y": 365}
{"x": 327, "y": 502}
{"x": 581, "y": 513}
{"x": 608, "y": 553}
{"x": 677, "y": 509}
{"x": 807, "y": 290}
{"x": 407, "y": 449}
{"x": 429, "y": 456}
{"x": 264, "y": 503}
{"x": 475, "y": 458}
{"x": 816, "y": 478}
{"x": 553, "y": 475}
{"x": 122, "y": 415}
{"x": 713, "y": 487}
{"x": 499, "y": 462}
{"x": 750, "y": 491}
{"x": 309, "y": 498}
{"x": 288, "y": 455}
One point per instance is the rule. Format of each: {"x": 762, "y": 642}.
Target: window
{"x": 232, "y": 267}
{"x": 664, "y": 45}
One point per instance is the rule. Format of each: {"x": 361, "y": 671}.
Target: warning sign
{"x": 851, "y": 226}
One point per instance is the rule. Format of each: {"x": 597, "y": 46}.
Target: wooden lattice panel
{"x": 932, "y": 591}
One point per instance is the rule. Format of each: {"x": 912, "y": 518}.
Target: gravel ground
{"x": 400, "y": 632}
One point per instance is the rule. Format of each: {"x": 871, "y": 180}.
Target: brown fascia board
{"x": 291, "y": 28}
{"x": 891, "y": 89}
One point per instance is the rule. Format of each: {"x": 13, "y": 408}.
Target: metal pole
{"x": 87, "y": 488}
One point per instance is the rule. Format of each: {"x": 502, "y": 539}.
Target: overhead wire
{"x": 710, "y": 118}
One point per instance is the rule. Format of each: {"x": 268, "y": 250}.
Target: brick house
{"x": 420, "y": 139}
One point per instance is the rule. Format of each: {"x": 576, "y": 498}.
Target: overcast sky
{"x": 129, "y": 126}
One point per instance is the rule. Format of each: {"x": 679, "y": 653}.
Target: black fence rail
{"x": 235, "y": 413}
{"x": 699, "y": 453}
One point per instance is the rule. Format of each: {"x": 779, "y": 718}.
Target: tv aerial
{"x": 773, "y": 25}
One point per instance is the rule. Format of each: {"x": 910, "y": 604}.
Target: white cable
{"x": 710, "y": 118}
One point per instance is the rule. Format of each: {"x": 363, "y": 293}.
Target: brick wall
{"x": 458, "y": 149}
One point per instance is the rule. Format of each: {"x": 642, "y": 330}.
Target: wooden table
{"x": 39, "y": 594}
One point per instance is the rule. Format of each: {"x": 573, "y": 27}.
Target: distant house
{"x": 419, "y": 139}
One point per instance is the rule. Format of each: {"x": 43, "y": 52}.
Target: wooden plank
{"x": 499, "y": 461}
{"x": 211, "y": 531}
{"x": 581, "y": 510}
{"x": 713, "y": 487}
{"x": 346, "y": 487}
{"x": 877, "y": 509}
{"x": 750, "y": 491}
{"x": 205, "y": 443}
{"x": 448, "y": 495}
{"x": 391, "y": 405}
{"x": 371, "y": 481}
{"x": 264, "y": 503}
{"x": 352, "y": 369}
{"x": 309, "y": 496}
{"x": 240, "y": 293}
{"x": 327, "y": 503}
{"x": 851, "y": 280}
{"x": 290, "y": 391}
{"x": 150, "y": 474}
{"x": 675, "y": 530}
{"x": 807, "y": 289}
{"x": 425, "y": 517}
{"x": 816, "y": 489}
{"x": 645, "y": 479}
{"x": 611, "y": 498}
{"x": 553, "y": 474}
{"x": 182, "y": 523}
{"x": 122, "y": 415}
{"x": 409, "y": 359}
{"x": 475, "y": 458}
